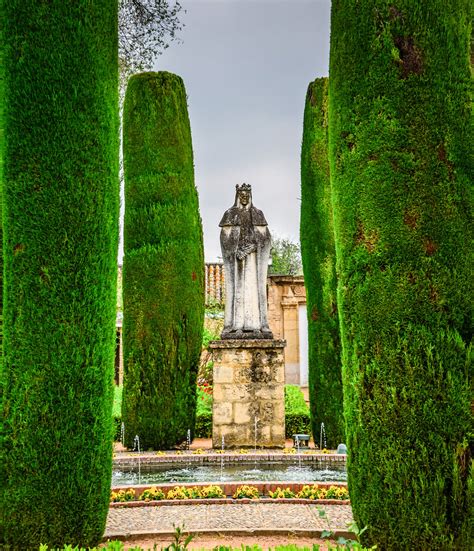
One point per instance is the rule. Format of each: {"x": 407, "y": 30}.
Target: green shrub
{"x": 203, "y": 425}
{"x": 402, "y": 167}
{"x": 163, "y": 270}
{"x": 319, "y": 263}
{"x": 294, "y": 400}
{"x": 297, "y": 423}
{"x": 117, "y": 413}
{"x": 297, "y": 417}
{"x": 60, "y": 221}
{"x": 117, "y": 407}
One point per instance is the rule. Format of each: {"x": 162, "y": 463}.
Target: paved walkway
{"x": 239, "y": 518}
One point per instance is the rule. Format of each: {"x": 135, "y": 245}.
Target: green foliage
{"x": 319, "y": 263}
{"x": 203, "y": 425}
{"x": 117, "y": 407}
{"x": 208, "y": 336}
{"x": 402, "y": 163}
{"x": 294, "y": 400}
{"x": 297, "y": 418}
{"x": 286, "y": 257}
{"x": 60, "y": 222}
{"x": 204, "y": 399}
{"x": 297, "y": 423}
{"x": 180, "y": 540}
{"x": 163, "y": 271}
{"x": 117, "y": 413}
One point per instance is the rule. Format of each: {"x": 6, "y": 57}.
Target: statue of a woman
{"x": 245, "y": 244}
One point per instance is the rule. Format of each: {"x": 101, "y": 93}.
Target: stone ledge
{"x": 132, "y": 458}
{"x": 227, "y": 501}
{"x": 248, "y": 343}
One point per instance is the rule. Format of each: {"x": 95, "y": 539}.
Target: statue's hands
{"x": 245, "y": 250}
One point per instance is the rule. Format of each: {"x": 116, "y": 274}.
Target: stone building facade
{"x": 287, "y": 319}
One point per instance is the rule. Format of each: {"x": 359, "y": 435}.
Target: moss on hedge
{"x": 319, "y": 264}
{"x": 401, "y": 161}
{"x": 60, "y": 218}
{"x": 163, "y": 272}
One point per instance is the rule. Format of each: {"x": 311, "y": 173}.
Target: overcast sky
{"x": 246, "y": 66}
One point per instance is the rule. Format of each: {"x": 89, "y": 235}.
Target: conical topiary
{"x": 401, "y": 160}
{"x": 163, "y": 272}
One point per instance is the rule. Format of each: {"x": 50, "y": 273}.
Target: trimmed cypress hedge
{"x": 163, "y": 272}
{"x": 402, "y": 163}
{"x": 319, "y": 265}
{"x": 61, "y": 205}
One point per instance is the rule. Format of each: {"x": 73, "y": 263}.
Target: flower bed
{"x": 192, "y": 494}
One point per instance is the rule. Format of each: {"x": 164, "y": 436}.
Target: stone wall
{"x": 249, "y": 393}
{"x": 285, "y": 295}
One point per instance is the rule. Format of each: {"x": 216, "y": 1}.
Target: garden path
{"x": 255, "y": 518}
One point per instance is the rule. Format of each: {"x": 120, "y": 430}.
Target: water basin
{"x": 230, "y": 472}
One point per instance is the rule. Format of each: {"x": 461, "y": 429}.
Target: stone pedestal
{"x": 249, "y": 393}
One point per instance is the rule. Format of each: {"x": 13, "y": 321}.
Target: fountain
{"x": 136, "y": 447}
{"x": 222, "y": 457}
{"x": 298, "y": 450}
{"x": 322, "y": 437}
{"x": 122, "y": 433}
{"x": 188, "y": 440}
{"x": 305, "y": 469}
{"x": 255, "y": 433}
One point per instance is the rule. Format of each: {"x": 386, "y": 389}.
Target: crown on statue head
{"x": 243, "y": 187}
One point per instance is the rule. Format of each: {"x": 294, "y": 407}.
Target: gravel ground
{"x": 242, "y": 519}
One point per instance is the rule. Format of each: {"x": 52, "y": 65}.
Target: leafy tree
{"x": 286, "y": 257}
{"x": 60, "y": 220}
{"x": 319, "y": 262}
{"x": 163, "y": 271}
{"x": 402, "y": 165}
{"x": 145, "y": 26}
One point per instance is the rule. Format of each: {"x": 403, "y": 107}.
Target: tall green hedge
{"x": 401, "y": 157}
{"x": 163, "y": 272}
{"x": 319, "y": 265}
{"x": 61, "y": 202}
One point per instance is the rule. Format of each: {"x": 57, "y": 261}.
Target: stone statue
{"x": 246, "y": 245}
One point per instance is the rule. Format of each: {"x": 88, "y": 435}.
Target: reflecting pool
{"x": 318, "y": 471}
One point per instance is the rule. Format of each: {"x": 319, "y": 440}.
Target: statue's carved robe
{"x": 245, "y": 233}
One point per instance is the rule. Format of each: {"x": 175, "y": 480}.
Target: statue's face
{"x": 244, "y": 197}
